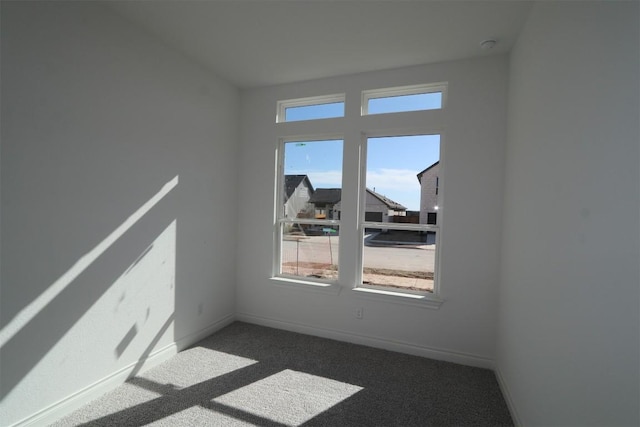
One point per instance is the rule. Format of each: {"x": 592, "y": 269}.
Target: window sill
{"x": 416, "y": 300}
{"x": 307, "y": 285}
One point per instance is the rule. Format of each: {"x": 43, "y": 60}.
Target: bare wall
{"x": 569, "y": 325}
{"x": 117, "y": 163}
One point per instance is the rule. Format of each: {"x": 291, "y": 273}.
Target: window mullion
{"x": 350, "y": 235}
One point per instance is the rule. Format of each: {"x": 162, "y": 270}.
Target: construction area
{"x": 401, "y": 261}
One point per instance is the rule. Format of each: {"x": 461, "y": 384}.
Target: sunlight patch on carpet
{"x": 289, "y": 397}
{"x": 198, "y": 416}
{"x": 196, "y": 365}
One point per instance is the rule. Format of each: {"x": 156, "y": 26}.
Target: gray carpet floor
{"x": 253, "y": 375}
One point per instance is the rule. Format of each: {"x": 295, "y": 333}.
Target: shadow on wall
{"x": 125, "y": 283}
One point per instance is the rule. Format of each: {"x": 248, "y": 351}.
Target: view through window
{"x": 314, "y": 108}
{"x": 311, "y": 186}
{"x": 400, "y": 199}
{"x": 406, "y": 98}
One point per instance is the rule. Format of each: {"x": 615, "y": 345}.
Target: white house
{"x": 429, "y": 188}
{"x": 297, "y": 192}
{"x": 378, "y": 208}
{"x": 325, "y": 203}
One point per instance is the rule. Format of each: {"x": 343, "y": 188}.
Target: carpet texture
{"x": 253, "y": 375}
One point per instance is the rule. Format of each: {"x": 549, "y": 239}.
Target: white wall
{"x": 569, "y": 324}
{"x": 463, "y": 329}
{"x": 99, "y": 123}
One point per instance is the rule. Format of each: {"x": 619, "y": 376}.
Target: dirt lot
{"x": 398, "y": 262}
{"x": 399, "y": 279}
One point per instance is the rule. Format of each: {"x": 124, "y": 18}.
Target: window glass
{"x": 400, "y": 207}
{"x": 310, "y": 250}
{"x": 312, "y": 112}
{"x": 404, "y": 98}
{"x": 309, "y": 219}
{"x": 395, "y": 104}
{"x": 312, "y": 108}
{"x": 312, "y": 178}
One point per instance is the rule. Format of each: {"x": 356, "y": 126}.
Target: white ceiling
{"x": 260, "y": 43}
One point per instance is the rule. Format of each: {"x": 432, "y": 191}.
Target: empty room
{"x": 337, "y": 213}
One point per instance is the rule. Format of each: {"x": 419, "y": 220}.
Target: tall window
{"x": 399, "y": 245}
{"x": 393, "y": 212}
{"x": 310, "y": 184}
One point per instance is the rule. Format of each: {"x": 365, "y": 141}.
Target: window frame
{"x": 280, "y": 220}
{"x": 440, "y": 87}
{"x": 432, "y": 299}
{"x": 282, "y": 105}
{"x": 347, "y": 130}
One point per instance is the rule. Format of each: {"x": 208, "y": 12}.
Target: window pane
{"x": 401, "y": 183}
{"x": 310, "y": 250}
{"x": 312, "y": 190}
{"x": 401, "y": 179}
{"x": 312, "y": 112}
{"x": 395, "y": 104}
{"x": 399, "y": 259}
{"x": 313, "y": 179}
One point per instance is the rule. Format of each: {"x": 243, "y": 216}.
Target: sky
{"x": 392, "y": 162}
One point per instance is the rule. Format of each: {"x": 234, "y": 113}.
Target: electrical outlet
{"x": 359, "y": 313}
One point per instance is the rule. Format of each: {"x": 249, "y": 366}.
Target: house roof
{"x": 387, "y": 201}
{"x": 419, "y": 175}
{"x": 326, "y": 195}
{"x": 291, "y": 182}
{"x": 334, "y": 195}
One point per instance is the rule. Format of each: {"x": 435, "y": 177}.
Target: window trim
{"x": 403, "y": 298}
{"x": 430, "y": 299}
{"x": 440, "y": 87}
{"x": 323, "y": 129}
{"x": 282, "y": 105}
{"x": 323, "y": 285}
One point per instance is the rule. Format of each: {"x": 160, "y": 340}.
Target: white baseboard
{"x": 80, "y": 398}
{"x": 507, "y": 397}
{"x": 194, "y": 337}
{"x": 371, "y": 341}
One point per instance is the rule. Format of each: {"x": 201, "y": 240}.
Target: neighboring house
{"x": 429, "y": 183}
{"x": 297, "y": 192}
{"x": 324, "y": 201}
{"x": 379, "y": 208}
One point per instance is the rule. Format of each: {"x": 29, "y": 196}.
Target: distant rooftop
{"x": 387, "y": 201}
{"x": 326, "y": 196}
{"x": 332, "y": 196}
{"x": 291, "y": 182}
